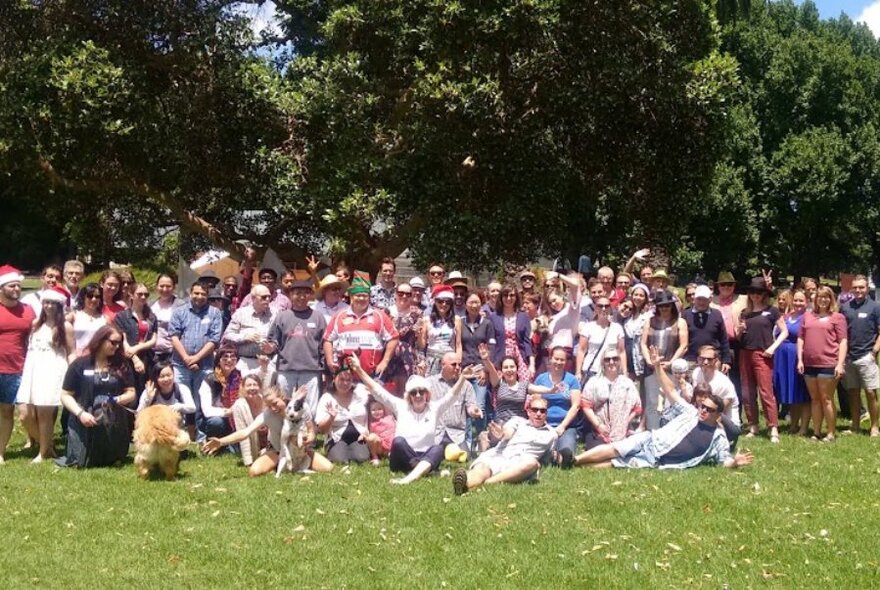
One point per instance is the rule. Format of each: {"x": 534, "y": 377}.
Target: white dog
{"x": 292, "y": 456}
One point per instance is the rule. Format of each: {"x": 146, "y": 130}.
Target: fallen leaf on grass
{"x": 215, "y": 514}
{"x": 299, "y": 529}
{"x": 673, "y": 546}
{"x": 611, "y": 556}
{"x": 663, "y": 565}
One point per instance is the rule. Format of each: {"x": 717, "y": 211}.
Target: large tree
{"x": 468, "y": 132}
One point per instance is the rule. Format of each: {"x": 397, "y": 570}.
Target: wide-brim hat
{"x": 758, "y": 284}
{"x": 725, "y": 277}
{"x": 417, "y": 382}
{"x": 329, "y": 281}
{"x": 456, "y": 279}
{"x": 663, "y": 298}
{"x": 527, "y": 274}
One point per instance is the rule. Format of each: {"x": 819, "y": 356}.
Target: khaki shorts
{"x": 862, "y": 373}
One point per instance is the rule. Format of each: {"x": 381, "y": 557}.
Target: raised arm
{"x": 491, "y": 372}
{"x": 666, "y": 384}
{"x": 374, "y": 386}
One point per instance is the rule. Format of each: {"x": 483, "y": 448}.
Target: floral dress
{"x": 406, "y": 355}
{"x": 511, "y": 348}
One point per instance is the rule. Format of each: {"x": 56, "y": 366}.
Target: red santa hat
{"x": 10, "y": 274}
{"x": 58, "y": 294}
{"x": 442, "y": 292}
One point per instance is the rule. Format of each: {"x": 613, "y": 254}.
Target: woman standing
{"x": 564, "y": 316}
{"x": 94, "y": 387}
{"x": 162, "y": 309}
{"x": 513, "y": 333}
{"x": 87, "y": 318}
{"x": 138, "y": 325}
{"x": 787, "y": 381}
{"x": 407, "y": 317}
{"x": 667, "y": 332}
{"x": 441, "y": 330}
{"x": 111, "y": 291}
{"x": 39, "y": 394}
{"x": 632, "y": 333}
{"x": 821, "y": 348}
{"x": 755, "y": 334}
{"x": 596, "y": 337}
{"x": 342, "y": 416}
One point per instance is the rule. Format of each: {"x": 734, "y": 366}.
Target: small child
{"x": 382, "y": 426}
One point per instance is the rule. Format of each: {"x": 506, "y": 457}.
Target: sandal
{"x": 829, "y": 439}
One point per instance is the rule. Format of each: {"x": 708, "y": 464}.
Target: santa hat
{"x": 360, "y": 283}
{"x": 10, "y": 274}
{"x": 56, "y": 293}
{"x": 442, "y": 292}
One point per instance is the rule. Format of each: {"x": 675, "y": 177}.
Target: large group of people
{"x": 515, "y": 376}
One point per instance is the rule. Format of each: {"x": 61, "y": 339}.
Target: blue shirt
{"x": 559, "y": 403}
{"x": 863, "y": 325}
{"x": 195, "y": 328}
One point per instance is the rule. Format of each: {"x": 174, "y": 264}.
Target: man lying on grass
{"x": 517, "y": 456}
{"x": 692, "y": 437}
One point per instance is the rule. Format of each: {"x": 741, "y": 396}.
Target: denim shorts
{"x": 9, "y": 384}
{"x": 819, "y": 372}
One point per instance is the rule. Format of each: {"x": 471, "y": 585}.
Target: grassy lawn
{"x": 805, "y": 514}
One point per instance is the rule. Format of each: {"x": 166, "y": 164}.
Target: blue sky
{"x": 865, "y": 10}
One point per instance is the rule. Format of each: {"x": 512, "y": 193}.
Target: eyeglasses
{"x": 114, "y": 342}
{"x": 537, "y": 410}
{"x": 708, "y": 408}
{"x": 707, "y": 359}
{"x": 603, "y": 306}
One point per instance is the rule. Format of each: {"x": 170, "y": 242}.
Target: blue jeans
{"x": 478, "y": 425}
{"x": 193, "y": 380}
{"x": 568, "y": 440}
{"x": 9, "y": 384}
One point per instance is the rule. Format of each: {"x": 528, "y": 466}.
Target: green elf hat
{"x": 360, "y": 283}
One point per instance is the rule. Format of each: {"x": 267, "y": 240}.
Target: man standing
{"x": 606, "y": 279}
{"x": 249, "y": 328}
{"x": 459, "y": 286}
{"x": 731, "y": 307}
{"x": 863, "y": 336}
{"x": 706, "y": 328}
{"x": 195, "y": 329}
{"x": 15, "y": 328}
{"x": 382, "y": 293}
{"x": 527, "y": 283}
{"x": 51, "y": 276}
{"x": 73, "y": 274}
{"x": 269, "y": 279}
{"x": 296, "y": 336}
{"x": 523, "y": 444}
{"x": 360, "y": 330}
{"x": 453, "y": 421}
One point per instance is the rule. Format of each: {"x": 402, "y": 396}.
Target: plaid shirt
{"x": 683, "y": 418}
{"x": 453, "y": 419}
{"x": 195, "y": 328}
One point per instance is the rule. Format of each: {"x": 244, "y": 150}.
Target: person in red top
{"x": 15, "y": 328}
{"x": 361, "y": 329}
{"x": 821, "y": 351}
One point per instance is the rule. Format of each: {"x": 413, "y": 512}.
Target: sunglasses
{"x": 689, "y": 295}
{"x": 404, "y": 294}
{"x": 229, "y": 355}
{"x": 435, "y": 273}
{"x": 707, "y": 359}
{"x": 524, "y": 279}
{"x": 142, "y": 294}
{"x": 708, "y": 408}
{"x": 605, "y": 306}
{"x": 612, "y": 359}
{"x": 93, "y": 296}
{"x": 538, "y": 410}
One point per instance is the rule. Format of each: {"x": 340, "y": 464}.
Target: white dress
{"x": 84, "y": 327}
{"x": 43, "y": 372}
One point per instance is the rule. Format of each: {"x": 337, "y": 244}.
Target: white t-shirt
{"x": 416, "y": 428}
{"x": 595, "y": 335}
{"x": 723, "y": 387}
{"x": 527, "y": 440}
{"x": 356, "y": 412}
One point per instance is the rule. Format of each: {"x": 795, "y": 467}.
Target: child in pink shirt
{"x": 382, "y": 426}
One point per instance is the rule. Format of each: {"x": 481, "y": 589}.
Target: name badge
{"x": 765, "y": 313}
{"x": 310, "y": 325}
{"x": 206, "y": 321}
{"x": 825, "y": 319}
{"x": 863, "y": 315}
{"x": 88, "y": 372}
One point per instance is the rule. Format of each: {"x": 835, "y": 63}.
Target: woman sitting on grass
{"x": 273, "y": 418}
{"x": 342, "y": 418}
{"x": 413, "y": 450}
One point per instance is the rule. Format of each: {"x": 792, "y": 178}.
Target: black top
{"x": 87, "y": 384}
{"x": 473, "y": 335}
{"x": 694, "y": 444}
{"x": 706, "y": 328}
{"x": 759, "y": 328}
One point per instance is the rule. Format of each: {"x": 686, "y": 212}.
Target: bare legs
{"x": 855, "y": 408}
{"x": 480, "y": 474}
{"x": 6, "y": 418}
{"x": 600, "y": 456}
{"x": 39, "y": 423}
{"x": 822, "y": 405}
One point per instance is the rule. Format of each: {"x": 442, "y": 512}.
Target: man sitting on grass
{"x": 517, "y": 457}
{"x": 692, "y": 437}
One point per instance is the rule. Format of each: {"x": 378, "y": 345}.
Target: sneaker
{"x": 459, "y": 482}
{"x": 566, "y": 458}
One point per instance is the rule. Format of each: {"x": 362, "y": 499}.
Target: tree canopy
{"x": 726, "y": 134}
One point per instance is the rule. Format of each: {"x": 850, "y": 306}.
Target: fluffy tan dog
{"x": 158, "y": 439}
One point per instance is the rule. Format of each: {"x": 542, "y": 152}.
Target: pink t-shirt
{"x": 15, "y": 327}
{"x": 822, "y": 337}
{"x": 384, "y": 428}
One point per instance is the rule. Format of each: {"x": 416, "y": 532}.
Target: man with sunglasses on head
{"x": 249, "y": 328}
{"x": 707, "y": 372}
{"x": 692, "y": 437}
{"x": 517, "y": 457}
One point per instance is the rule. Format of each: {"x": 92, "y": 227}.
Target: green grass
{"x": 805, "y": 514}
